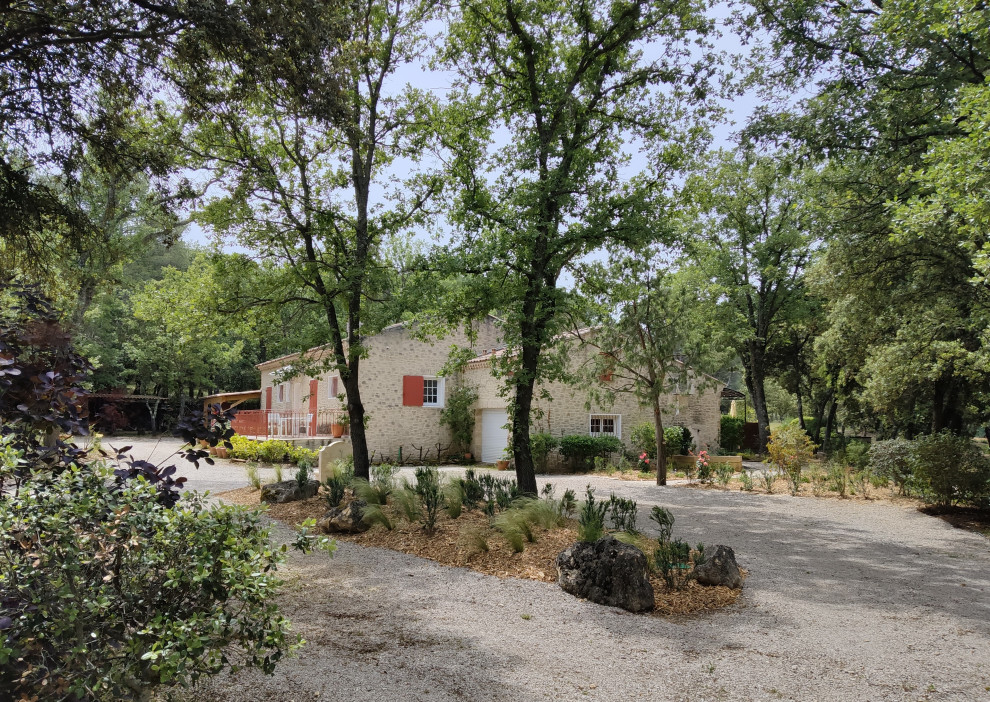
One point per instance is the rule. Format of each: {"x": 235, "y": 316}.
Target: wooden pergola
{"x": 730, "y": 394}
{"x": 229, "y": 400}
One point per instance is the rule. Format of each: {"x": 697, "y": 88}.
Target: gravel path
{"x": 845, "y": 601}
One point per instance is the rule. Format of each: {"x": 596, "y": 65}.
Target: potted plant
{"x": 345, "y": 423}
{"x": 503, "y": 463}
{"x": 337, "y": 429}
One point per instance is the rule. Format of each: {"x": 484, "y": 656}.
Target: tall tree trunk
{"x": 800, "y": 406}
{"x": 830, "y": 426}
{"x": 661, "y": 451}
{"x": 755, "y": 382}
{"x": 522, "y": 450}
{"x": 359, "y": 438}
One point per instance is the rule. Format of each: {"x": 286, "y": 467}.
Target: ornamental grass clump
{"x": 453, "y": 495}
{"x": 251, "y": 469}
{"x": 337, "y": 482}
{"x": 374, "y": 514}
{"x": 472, "y": 540}
{"x": 407, "y": 501}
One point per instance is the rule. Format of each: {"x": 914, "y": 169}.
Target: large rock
{"x": 344, "y": 520}
{"x": 288, "y": 491}
{"x": 719, "y": 568}
{"x": 608, "y": 572}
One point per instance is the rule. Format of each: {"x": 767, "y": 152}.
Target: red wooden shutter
{"x": 268, "y": 398}
{"x": 412, "y": 390}
{"x": 333, "y": 386}
{"x": 314, "y": 390}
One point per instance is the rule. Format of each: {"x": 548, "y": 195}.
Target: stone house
{"x": 403, "y": 392}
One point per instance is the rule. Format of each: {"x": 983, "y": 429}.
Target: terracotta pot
{"x": 467, "y": 456}
{"x": 221, "y": 451}
{"x": 502, "y": 465}
{"x": 337, "y": 430}
{"x": 213, "y": 450}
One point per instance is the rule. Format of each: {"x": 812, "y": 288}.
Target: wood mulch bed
{"x": 450, "y": 545}
{"x": 968, "y": 518}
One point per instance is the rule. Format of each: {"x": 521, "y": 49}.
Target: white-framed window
{"x": 282, "y": 392}
{"x": 605, "y": 425}
{"x": 333, "y": 387}
{"x": 433, "y": 394}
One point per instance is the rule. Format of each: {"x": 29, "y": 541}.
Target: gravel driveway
{"x": 844, "y": 601}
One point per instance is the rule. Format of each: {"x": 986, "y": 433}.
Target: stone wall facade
{"x": 571, "y": 407}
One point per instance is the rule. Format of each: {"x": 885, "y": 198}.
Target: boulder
{"x": 719, "y": 568}
{"x": 608, "y": 572}
{"x": 344, "y": 520}
{"x": 288, "y": 491}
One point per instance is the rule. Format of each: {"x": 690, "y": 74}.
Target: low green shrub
{"x": 672, "y": 559}
{"x": 580, "y": 449}
{"x": 731, "y": 432}
{"x": 565, "y": 507}
{"x": 383, "y": 480}
{"x": 664, "y": 519}
{"x": 677, "y": 441}
{"x": 723, "y": 474}
{"x": 591, "y": 519}
{"x": 622, "y": 513}
{"x": 644, "y": 439}
{"x": 892, "y": 459}
{"x": 542, "y": 446}
{"x": 271, "y": 451}
{"x": 790, "y": 449}
{"x": 302, "y": 476}
{"x": 107, "y": 593}
{"x": 243, "y": 448}
{"x": 747, "y": 481}
{"x": 472, "y": 489}
{"x": 497, "y": 493}
{"x": 430, "y": 495}
{"x": 837, "y": 477}
{"x": 950, "y": 470}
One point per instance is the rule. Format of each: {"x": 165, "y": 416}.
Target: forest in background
{"x": 835, "y": 254}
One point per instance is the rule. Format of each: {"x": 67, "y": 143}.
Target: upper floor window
{"x": 282, "y": 393}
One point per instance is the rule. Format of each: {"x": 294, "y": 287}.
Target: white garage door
{"x": 494, "y": 435}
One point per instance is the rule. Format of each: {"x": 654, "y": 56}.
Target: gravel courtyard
{"x": 844, "y": 601}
